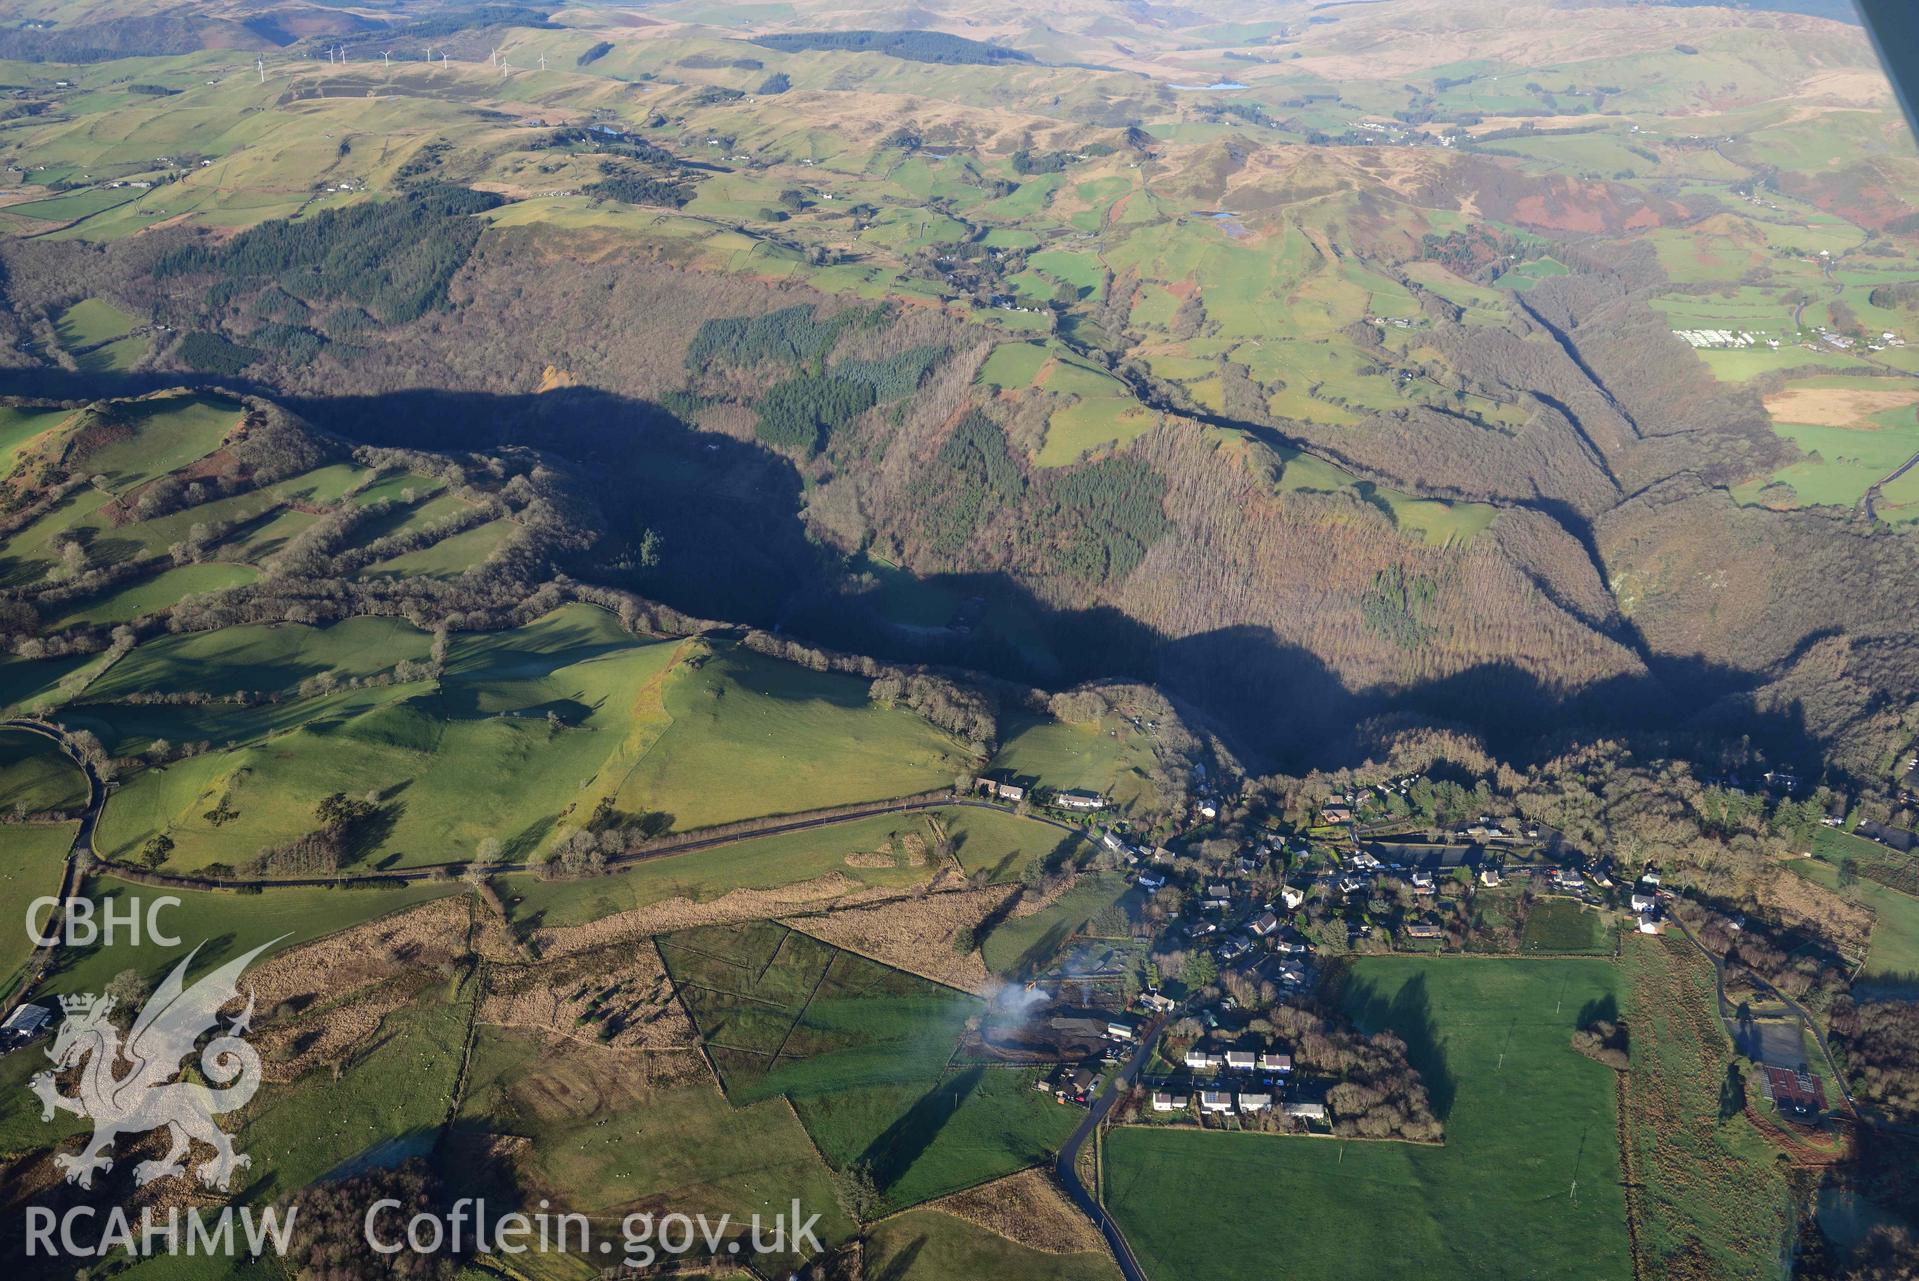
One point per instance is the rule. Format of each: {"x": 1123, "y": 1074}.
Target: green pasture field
{"x": 162, "y": 591}
{"x": 405, "y": 518}
{"x": 1891, "y": 966}
{"x": 1870, "y": 859}
{"x": 1110, "y": 756}
{"x": 168, "y": 433}
{"x": 1022, "y": 943}
{"x": 31, "y": 856}
{"x": 394, "y": 485}
{"x": 607, "y": 1155}
{"x": 1527, "y": 1183}
{"x": 1748, "y": 363}
{"x": 448, "y": 558}
{"x": 747, "y": 735}
{"x": 36, "y": 776}
{"x": 35, "y": 684}
{"x": 322, "y": 485}
{"x": 929, "y": 1245}
{"x": 262, "y": 656}
{"x": 1528, "y": 275}
{"x": 1004, "y": 845}
{"x": 70, "y": 206}
{"x": 1564, "y": 927}
{"x": 1843, "y": 462}
{"x": 474, "y": 757}
{"x": 1713, "y": 1196}
{"x": 1092, "y": 424}
{"x": 862, "y": 1052}
{"x": 380, "y": 1108}
{"x": 91, "y": 321}
{"x": 1014, "y": 365}
{"x": 21, "y": 427}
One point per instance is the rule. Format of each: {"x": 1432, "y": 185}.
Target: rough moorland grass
{"x": 605, "y": 1153}
{"x": 930, "y": 1245}
{"x": 224, "y": 924}
{"x": 383, "y": 1106}
{"x": 30, "y": 861}
{"x": 750, "y": 735}
{"x": 1527, "y": 1183}
{"x": 753, "y": 863}
{"x": 1712, "y": 1198}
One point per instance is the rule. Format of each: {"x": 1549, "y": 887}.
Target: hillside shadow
{"x": 732, "y": 546}
{"x": 1603, "y": 1008}
{"x": 1408, "y": 1014}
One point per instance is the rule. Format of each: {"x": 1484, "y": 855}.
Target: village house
{"x": 1422, "y": 880}
{"x": 1158, "y": 1002}
{"x": 1201, "y": 1061}
{"x": 1648, "y": 923}
{"x": 1272, "y": 1062}
{"x": 1332, "y": 814}
{"x": 1166, "y": 1101}
{"x": 1076, "y": 799}
{"x": 1004, "y": 791}
{"x": 1568, "y": 878}
{"x": 1304, "y": 1110}
{"x": 1240, "y": 1060}
{"x": 1267, "y": 924}
{"x": 1291, "y": 896}
{"x": 1490, "y": 877}
{"x": 1644, "y": 900}
{"x": 1423, "y": 930}
{"x": 1150, "y": 881}
{"x": 1255, "y": 1102}
{"x": 1215, "y": 1101}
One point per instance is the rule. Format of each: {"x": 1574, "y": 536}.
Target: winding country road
{"x": 81, "y": 848}
{"x": 1068, "y": 1165}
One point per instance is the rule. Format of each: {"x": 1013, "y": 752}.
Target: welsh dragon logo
{"x": 146, "y": 1096}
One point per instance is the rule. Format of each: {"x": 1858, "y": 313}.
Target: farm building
{"x": 25, "y": 1023}
{"x": 1797, "y": 1094}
